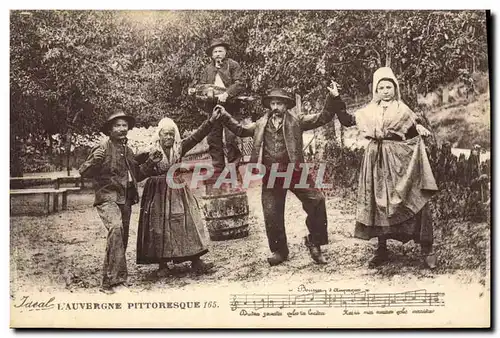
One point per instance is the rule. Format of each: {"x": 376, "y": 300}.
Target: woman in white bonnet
{"x": 170, "y": 224}
{"x": 395, "y": 180}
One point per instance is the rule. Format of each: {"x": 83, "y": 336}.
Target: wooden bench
{"x": 28, "y": 182}
{"x": 78, "y": 181}
{"x": 47, "y": 192}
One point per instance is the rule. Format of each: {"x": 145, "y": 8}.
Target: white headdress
{"x": 167, "y": 124}
{"x": 398, "y": 117}
{"x": 384, "y": 73}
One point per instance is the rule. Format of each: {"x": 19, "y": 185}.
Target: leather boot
{"x": 200, "y": 267}
{"x": 381, "y": 256}
{"x": 277, "y": 258}
{"x": 315, "y": 252}
{"x": 429, "y": 257}
{"x": 163, "y": 270}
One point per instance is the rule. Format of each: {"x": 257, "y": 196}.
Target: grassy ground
{"x": 64, "y": 252}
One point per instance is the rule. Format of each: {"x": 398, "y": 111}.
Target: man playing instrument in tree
{"x": 220, "y": 83}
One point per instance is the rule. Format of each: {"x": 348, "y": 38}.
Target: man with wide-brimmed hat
{"x": 115, "y": 172}
{"x": 223, "y": 71}
{"x": 226, "y": 81}
{"x": 277, "y": 139}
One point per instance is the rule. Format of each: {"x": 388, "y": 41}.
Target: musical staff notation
{"x": 324, "y": 299}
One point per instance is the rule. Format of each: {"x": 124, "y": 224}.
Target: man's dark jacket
{"x": 230, "y": 73}
{"x": 293, "y": 127}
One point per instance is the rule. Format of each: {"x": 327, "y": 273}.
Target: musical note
{"x": 363, "y": 298}
{"x": 234, "y": 304}
{"x": 332, "y": 300}
{"x": 324, "y": 299}
{"x": 307, "y": 297}
{"x": 359, "y": 297}
{"x": 261, "y": 304}
{"x": 283, "y": 302}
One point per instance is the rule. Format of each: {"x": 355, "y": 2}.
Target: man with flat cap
{"x": 277, "y": 139}
{"x": 115, "y": 173}
{"x": 223, "y": 79}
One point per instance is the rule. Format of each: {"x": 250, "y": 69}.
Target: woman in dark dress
{"x": 396, "y": 180}
{"x": 171, "y": 228}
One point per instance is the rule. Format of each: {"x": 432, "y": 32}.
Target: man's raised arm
{"x": 333, "y": 105}
{"x": 237, "y": 128}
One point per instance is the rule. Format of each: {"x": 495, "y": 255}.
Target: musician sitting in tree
{"x": 220, "y": 83}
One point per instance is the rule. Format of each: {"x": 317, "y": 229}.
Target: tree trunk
{"x": 16, "y": 168}
{"x": 388, "y": 41}
{"x": 68, "y": 141}
{"x": 69, "y": 126}
{"x": 51, "y": 144}
{"x": 342, "y": 136}
{"x": 415, "y": 93}
{"x": 388, "y": 59}
{"x": 334, "y": 136}
{"x": 68, "y": 151}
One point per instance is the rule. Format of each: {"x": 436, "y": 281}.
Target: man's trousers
{"x": 116, "y": 219}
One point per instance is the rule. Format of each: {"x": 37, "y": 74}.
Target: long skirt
{"x": 418, "y": 228}
{"x": 170, "y": 224}
{"x": 395, "y": 185}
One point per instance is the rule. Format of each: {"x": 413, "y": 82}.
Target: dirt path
{"x": 64, "y": 252}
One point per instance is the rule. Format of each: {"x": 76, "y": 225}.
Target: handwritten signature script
{"x": 27, "y": 303}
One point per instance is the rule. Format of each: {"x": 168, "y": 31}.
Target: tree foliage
{"x": 70, "y": 69}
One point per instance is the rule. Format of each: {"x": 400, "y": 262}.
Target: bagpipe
{"x": 206, "y": 97}
{"x": 208, "y": 93}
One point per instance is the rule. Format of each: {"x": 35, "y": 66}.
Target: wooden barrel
{"x": 226, "y": 215}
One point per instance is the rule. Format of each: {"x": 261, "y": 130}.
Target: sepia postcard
{"x": 250, "y": 169}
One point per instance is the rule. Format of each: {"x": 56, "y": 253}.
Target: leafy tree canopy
{"x": 70, "y": 69}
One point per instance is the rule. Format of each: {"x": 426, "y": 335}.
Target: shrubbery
{"x": 42, "y": 155}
